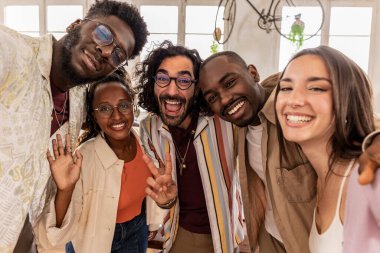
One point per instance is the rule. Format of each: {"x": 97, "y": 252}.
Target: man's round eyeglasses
{"x": 106, "y": 110}
{"x": 182, "y": 82}
{"x": 103, "y": 36}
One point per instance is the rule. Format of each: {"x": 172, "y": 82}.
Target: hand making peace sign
{"x": 161, "y": 187}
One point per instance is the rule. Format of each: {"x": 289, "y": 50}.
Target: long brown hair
{"x": 352, "y": 104}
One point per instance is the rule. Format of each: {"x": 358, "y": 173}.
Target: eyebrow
{"x": 182, "y": 72}
{"x": 310, "y": 79}
{"x": 221, "y": 80}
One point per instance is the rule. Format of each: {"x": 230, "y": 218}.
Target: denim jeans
{"x": 129, "y": 237}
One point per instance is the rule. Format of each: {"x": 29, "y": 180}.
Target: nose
{"x": 172, "y": 88}
{"x": 105, "y": 51}
{"x": 296, "y": 98}
{"x": 115, "y": 113}
{"x": 225, "y": 97}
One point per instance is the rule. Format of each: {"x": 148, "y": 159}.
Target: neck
{"x": 318, "y": 156}
{"x": 186, "y": 122}
{"x": 57, "y": 78}
{"x": 125, "y": 149}
{"x": 264, "y": 94}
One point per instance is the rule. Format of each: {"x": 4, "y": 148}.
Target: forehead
{"x": 110, "y": 92}
{"x": 307, "y": 65}
{"x": 218, "y": 67}
{"x": 123, "y": 32}
{"x": 177, "y": 64}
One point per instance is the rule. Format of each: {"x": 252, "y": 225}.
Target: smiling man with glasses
{"x": 49, "y": 75}
{"x": 206, "y": 217}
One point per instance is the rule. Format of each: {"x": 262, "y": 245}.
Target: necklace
{"x": 182, "y": 159}
{"x": 63, "y": 110}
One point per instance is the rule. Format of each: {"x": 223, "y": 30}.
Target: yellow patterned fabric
{"x": 25, "y": 120}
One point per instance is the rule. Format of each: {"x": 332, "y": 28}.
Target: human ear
{"x": 73, "y": 25}
{"x": 253, "y": 71}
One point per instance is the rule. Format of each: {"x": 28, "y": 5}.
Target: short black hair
{"x": 232, "y": 56}
{"x": 126, "y": 12}
{"x": 146, "y": 71}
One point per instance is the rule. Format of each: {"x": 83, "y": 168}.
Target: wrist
{"x": 168, "y": 205}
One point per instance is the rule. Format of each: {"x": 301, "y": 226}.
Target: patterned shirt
{"x": 25, "y": 120}
{"x": 215, "y": 144}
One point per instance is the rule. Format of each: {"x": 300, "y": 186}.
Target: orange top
{"x": 132, "y": 191}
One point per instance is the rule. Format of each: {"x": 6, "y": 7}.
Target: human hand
{"x": 369, "y": 162}
{"x": 161, "y": 187}
{"x": 152, "y": 235}
{"x": 64, "y": 169}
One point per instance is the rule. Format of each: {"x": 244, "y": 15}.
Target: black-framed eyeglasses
{"x": 183, "y": 82}
{"x": 106, "y": 110}
{"x": 103, "y": 36}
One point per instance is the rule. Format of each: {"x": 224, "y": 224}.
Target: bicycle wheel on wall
{"x": 228, "y": 18}
{"x": 298, "y": 20}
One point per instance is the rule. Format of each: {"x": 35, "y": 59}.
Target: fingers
{"x": 367, "y": 175}
{"x": 49, "y": 157}
{"x": 60, "y": 145}
{"x": 152, "y": 183}
{"x": 79, "y": 158}
{"x": 55, "y": 148}
{"x": 68, "y": 144}
{"x": 168, "y": 166}
{"x": 152, "y": 168}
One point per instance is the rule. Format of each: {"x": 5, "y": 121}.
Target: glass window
{"x": 61, "y": 16}
{"x": 312, "y": 17}
{"x": 23, "y": 18}
{"x": 200, "y": 24}
{"x": 162, "y": 22}
{"x": 350, "y": 35}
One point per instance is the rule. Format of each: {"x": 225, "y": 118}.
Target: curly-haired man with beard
{"x": 41, "y": 94}
{"x": 206, "y": 217}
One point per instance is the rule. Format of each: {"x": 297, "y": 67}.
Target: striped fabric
{"x": 215, "y": 145}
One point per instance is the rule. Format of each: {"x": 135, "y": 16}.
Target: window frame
{"x": 42, "y": 5}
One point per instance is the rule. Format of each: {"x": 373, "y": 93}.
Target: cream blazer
{"x": 91, "y": 217}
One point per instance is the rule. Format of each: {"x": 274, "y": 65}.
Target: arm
{"x": 370, "y": 159}
{"x": 65, "y": 172}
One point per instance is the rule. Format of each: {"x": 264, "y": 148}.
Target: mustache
{"x": 168, "y": 97}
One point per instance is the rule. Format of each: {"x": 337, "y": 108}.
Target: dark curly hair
{"x": 91, "y": 128}
{"x": 126, "y": 12}
{"x": 147, "y": 69}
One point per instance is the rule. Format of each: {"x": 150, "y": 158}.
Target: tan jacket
{"x": 91, "y": 217}
{"x": 292, "y": 189}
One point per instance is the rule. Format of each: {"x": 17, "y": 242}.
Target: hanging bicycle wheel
{"x": 228, "y": 20}
{"x": 298, "y": 19}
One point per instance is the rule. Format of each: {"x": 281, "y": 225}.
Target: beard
{"x": 175, "y": 120}
{"x": 68, "y": 71}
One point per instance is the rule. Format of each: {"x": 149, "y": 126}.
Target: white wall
{"x": 262, "y": 49}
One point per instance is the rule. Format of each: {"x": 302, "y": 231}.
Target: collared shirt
{"x": 25, "y": 120}
{"x": 91, "y": 217}
{"x": 214, "y": 142}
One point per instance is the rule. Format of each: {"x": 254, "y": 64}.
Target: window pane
{"x": 202, "y": 43}
{"x": 357, "y": 48}
{"x": 154, "y": 40}
{"x": 61, "y": 16}
{"x": 311, "y": 16}
{"x": 22, "y": 18}
{"x": 287, "y": 49}
{"x": 201, "y": 19}
{"x": 160, "y": 19}
{"x": 343, "y": 23}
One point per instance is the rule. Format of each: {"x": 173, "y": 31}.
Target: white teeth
{"x": 236, "y": 107}
{"x": 298, "y": 119}
{"x": 118, "y": 125}
{"x": 173, "y": 102}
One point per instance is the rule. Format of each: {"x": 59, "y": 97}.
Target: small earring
{"x": 345, "y": 122}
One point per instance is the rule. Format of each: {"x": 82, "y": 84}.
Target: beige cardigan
{"x": 90, "y": 220}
